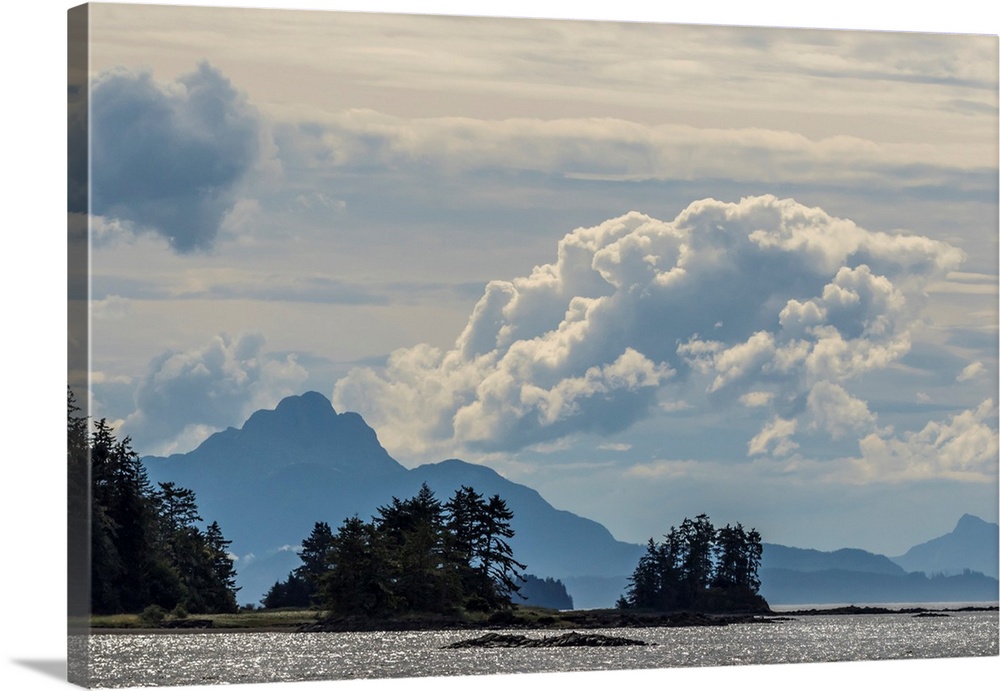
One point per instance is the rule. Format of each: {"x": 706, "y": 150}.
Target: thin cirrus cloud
{"x": 617, "y": 149}
{"x": 768, "y": 303}
{"x": 230, "y": 285}
{"x": 167, "y": 158}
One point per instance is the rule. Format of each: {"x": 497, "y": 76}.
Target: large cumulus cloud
{"x": 772, "y": 304}
{"x": 168, "y": 157}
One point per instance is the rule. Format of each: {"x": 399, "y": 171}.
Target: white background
{"x": 32, "y": 598}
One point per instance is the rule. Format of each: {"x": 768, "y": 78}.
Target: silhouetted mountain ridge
{"x": 301, "y": 429}
{"x": 971, "y": 545}
{"x": 847, "y": 559}
{"x": 959, "y": 566}
{"x": 270, "y": 481}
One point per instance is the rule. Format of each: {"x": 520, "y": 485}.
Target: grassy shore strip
{"x": 287, "y": 621}
{"x": 292, "y": 621}
{"x": 536, "y": 619}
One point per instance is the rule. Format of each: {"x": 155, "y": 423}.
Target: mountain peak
{"x": 968, "y": 521}
{"x": 308, "y": 403}
{"x": 304, "y": 412}
{"x": 301, "y": 430}
{"x": 971, "y": 545}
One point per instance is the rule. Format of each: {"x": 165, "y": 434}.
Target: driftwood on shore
{"x": 566, "y": 640}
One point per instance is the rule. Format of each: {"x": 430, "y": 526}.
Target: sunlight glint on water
{"x": 208, "y": 658}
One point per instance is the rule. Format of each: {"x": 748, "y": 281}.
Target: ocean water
{"x": 222, "y": 658}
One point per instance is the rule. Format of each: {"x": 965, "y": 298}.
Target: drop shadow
{"x": 50, "y": 668}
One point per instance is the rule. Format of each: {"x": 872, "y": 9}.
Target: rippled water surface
{"x": 206, "y": 658}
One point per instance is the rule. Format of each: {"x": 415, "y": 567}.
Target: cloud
{"x": 756, "y": 399}
{"x": 837, "y": 412}
{"x": 229, "y": 284}
{"x": 798, "y": 304}
{"x": 774, "y": 438}
{"x": 186, "y": 396}
{"x": 618, "y": 149}
{"x": 964, "y": 448}
{"x": 168, "y": 157}
{"x": 971, "y": 372}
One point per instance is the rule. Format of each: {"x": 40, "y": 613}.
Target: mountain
{"x": 797, "y": 559}
{"x": 971, "y": 545}
{"x": 829, "y": 586}
{"x": 941, "y": 570}
{"x": 270, "y": 481}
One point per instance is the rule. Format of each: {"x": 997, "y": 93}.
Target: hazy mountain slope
{"x": 788, "y": 587}
{"x": 971, "y": 545}
{"x": 934, "y": 571}
{"x": 798, "y": 559}
{"x": 270, "y": 481}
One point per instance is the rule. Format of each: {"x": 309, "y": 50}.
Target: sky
{"x": 648, "y": 270}
{"x": 925, "y": 127}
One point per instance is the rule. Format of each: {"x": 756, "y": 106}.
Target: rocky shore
{"x": 854, "y": 609}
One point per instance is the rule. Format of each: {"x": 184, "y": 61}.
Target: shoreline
{"x": 157, "y": 631}
{"x": 549, "y": 621}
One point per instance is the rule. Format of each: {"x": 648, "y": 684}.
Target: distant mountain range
{"x": 971, "y": 545}
{"x": 270, "y": 481}
{"x": 791, "y": 575}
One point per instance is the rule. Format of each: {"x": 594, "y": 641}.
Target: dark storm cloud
{"x": 167, "y": 157}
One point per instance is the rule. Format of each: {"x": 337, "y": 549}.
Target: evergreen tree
{"x": 301, "y": 587}
{"x": 220, "y": 583}
{"x": 416, "y": 555}
{"x": 413, "y": 532}
{"x": 359, "y": 581}
{"x": 479, "y": 531}
{"x": 292, "y": 592}
{"x": 644, "y": 584}
{"x": 697, "y": 566}
{"x": 496, "y": 558}
{"x": 316, "y": 552}
{"x": 465, "y": 513}
{"x": 738, "y": 555}
{"x": 144, "y": 547}
{"x": 545, "y": 592}
{"x": 79, "y": 514}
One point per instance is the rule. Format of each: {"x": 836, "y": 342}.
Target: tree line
{"x": 146, "y": 544}
{"x": 697, "y": 567}
{"x": 415, "y": 555}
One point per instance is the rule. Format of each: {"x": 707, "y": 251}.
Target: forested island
{"x": 699, "y": 568}
{"x": 417, "y": 555}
